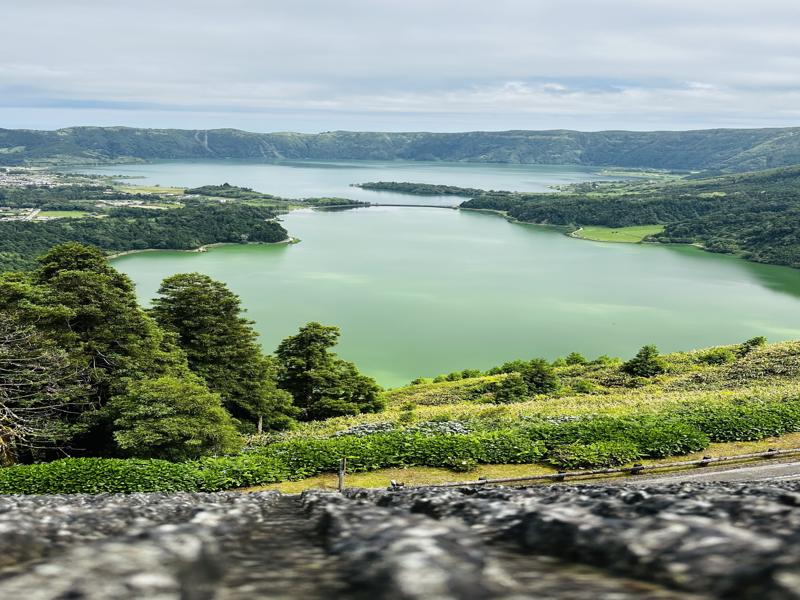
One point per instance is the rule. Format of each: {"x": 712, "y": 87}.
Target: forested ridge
{"x": 717, "y": 149}
{"x": 755, "y": 215}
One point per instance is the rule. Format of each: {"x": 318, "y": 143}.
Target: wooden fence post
{"x": 342, "y": 469}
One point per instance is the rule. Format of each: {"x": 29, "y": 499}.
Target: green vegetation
{"x": 248, "y": 196}
{"x": 171, "y": 418}
{"x": 420, "y": 189}
{"x": 322, "y": 384}
{"x": 221, "y": 346}
{"x": 85, "y": 371}
{"x": 62, "y": 214}
{"x": 754, "y": 215}
{"x": 126, "y": 229}
{"x": 631, "y": 235}
{"x": 571, "y": 413}
{"x": 721, "y": 149}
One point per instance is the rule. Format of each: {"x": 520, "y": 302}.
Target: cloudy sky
{"x": 437, "y": 65}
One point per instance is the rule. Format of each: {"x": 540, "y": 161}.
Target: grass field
{"x": 629, "y": 235}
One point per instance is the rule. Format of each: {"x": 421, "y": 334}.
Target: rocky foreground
{"x": 699, "y": 540}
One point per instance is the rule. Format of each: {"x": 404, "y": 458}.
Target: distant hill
{"x": 723, "y": 150}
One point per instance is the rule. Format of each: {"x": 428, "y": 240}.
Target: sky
{"x": 400, "y": 65}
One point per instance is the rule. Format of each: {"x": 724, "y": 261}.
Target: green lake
{"x": 422, "y": 291}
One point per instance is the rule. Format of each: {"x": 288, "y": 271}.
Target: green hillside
{"x": 717, "y": 149}
{"x": 755, "y": 215}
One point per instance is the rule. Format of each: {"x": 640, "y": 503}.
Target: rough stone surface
{"x": 687, "y": 540}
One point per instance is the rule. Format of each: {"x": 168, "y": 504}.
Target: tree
{"x": 646, "y": 363}
{"x": 40, "y": 393}
{"x": 87, "y": 308}
{"x": 172, "y": 419}
{"x": 540, "y": 377}
{"x": 221, "y": 347}
{"x": 322, "y": 384}
{"x": 576, "y": 358}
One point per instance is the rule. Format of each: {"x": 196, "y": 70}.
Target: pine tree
{"x": 646, "y": 363}
{"x": 322, "y": 384}
{"x": 222, "y": 348}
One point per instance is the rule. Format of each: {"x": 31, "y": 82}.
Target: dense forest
{"x": 718, "y": 149}
{"x": 123, "y": 229}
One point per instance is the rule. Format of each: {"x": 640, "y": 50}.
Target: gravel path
{"x": 611, "y": 542}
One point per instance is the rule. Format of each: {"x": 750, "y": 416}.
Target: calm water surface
{"x": 421, "y": 291}
{"x": 308, "y": 179}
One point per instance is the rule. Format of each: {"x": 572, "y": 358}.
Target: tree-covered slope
{"x": 756, "y": 215}
{"x": 720, "y": 149}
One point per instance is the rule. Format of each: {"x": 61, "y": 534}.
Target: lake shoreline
{"x": 204, "y": 248}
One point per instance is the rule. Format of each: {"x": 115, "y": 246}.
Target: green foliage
{"x": 540, "y": 377}
{"x": 717, "y": 356}
{"x": 646, "y": 363}
{"x": 594, "y": 455}
{"x": 575, "y": 358}
{"x": 222, "y": 347}
{"x": 745, "y": 421}
{"x": 138, "y": 229}
{"x": 571, "y": 444}
{"x": 229, "y": 472}
{"x": 322, "y": 384}
{"x": 87, "y": 308}
{"x": 756, "y": 215}
{"x": 747, "y": 347}
{"x": 306, "y": 457}
{"x": 98, "y": 475}
{"x": 513, "y": 388}
{"x": 172, "y": 419}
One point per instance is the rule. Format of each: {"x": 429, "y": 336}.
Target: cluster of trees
{"x": 66, "y": 197}
{"x": 137, "y": 229}
{"x": 85, "y": 370}
{"x": 756, "y": 215}
{"x": 245, "y": 194}
{"x": 226, "y": 190}
{"x": 420, "y": 189}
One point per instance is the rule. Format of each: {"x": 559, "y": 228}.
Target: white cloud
{"x": 401, "y": 64}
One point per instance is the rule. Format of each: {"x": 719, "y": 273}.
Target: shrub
{"x": 306, "y": 457}
{"x": 654, "y": 436}
{"x": 540, "y": 377}
{"x": 227, "y": 472}
{"x": 595, "y": 455}
{"x": 717, "y": 356}
{"x": 512, "y": 389}
{"x": 99, "y": 475}
{"x": 646, "y": 363}
{"x": 584, "y": 386}
{"x": 173, "y": 419}
{"x": 658, "y": 437}
{"x": 747, "y": 347}
{"x": 746, "y": 421}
